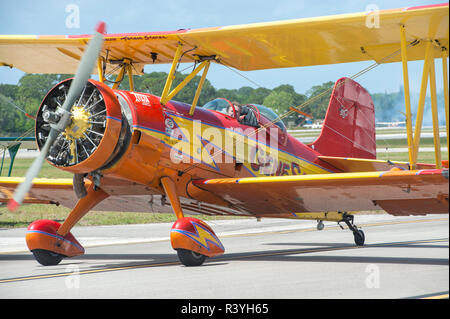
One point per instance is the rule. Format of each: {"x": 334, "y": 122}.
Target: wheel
{"x": 190, "y": 258}
{"x": 46, "y": 257}
{"x": 320, "y": 225}
{"x": 359, "y": 237}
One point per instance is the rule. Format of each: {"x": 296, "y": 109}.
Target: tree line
{"x": 31, "y": 89}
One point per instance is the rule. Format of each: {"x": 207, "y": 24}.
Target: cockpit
{"x": 255, "y": 115}
{"x": 270, "y": 115}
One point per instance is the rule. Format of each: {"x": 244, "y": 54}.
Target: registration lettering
{"x": 141, "y": 98}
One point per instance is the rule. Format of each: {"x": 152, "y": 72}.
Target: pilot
{"x": 237, "y": 108}
{"x": 230, "y": 111}
{"x": 247, "y": 116}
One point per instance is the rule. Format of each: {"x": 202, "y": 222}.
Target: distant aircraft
{"x": 133, "y": 151}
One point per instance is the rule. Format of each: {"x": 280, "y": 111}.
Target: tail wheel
{"x": 46, "y": 257}
{"x": 320, "y": 225}
{"x": 190, "y": 258}
{"x": 359, "y": 237}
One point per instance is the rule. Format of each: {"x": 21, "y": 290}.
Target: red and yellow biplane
{"x": 133, "y": 151}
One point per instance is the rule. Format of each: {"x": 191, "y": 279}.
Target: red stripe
{"x": 428, "y": 6}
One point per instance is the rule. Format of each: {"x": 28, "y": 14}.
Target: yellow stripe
{"x": 38, "y": 181}
{"x": 444, "y": 296}
{"x": 313, "y": 177}
{"x": 10, "y": 37}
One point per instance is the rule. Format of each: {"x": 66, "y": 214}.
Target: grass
{"x": 26, "y": 214}
{"x": 29, "y": 213}
{"x": 21, "y": 166}
{"x": 379, "y": 132}
{"x": 424, "y": 157}
{"x": 401, "y": 142}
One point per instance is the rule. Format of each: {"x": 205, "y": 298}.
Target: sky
{"x": 51, "y": 17}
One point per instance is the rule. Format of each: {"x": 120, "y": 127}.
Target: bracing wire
{"x": 309, "y": 101}
{"x": 5, "y": 98}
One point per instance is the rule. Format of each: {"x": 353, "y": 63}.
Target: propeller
{"x": 61, "y": 118}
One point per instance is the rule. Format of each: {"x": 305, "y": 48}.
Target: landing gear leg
{"x": 50, "y": 242}
{"x": 358, "y": 234}
{"x": 192, "y": 238}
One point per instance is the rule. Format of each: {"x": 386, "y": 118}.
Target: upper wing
{"x": 398, "y": 192}
{"x": 324, "y": 40}
{"x": 62, "y": 54}
{"x": 292, "y": 43}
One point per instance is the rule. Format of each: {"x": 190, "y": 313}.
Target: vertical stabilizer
{"x": 349, "y": 126}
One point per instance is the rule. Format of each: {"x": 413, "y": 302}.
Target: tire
{"x": 46, "y": 257}
{"x": 190, "y": 258}
{"x": 320, "y": 225}
{"x": 359, "y": 237}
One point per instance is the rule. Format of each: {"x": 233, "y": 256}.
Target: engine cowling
{"x": 97, "y": 131}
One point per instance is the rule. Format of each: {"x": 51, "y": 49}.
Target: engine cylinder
{"x": 94, "y": 134}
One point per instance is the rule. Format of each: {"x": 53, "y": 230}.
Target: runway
{"x": 404, "y": 257}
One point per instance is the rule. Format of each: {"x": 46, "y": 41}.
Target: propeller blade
{"x": 32, "y": 172}
{"x": 85, "y": 67}
{"x": 81, "y": 77}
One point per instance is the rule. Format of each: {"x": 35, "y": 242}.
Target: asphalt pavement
{"x": 403, "y": 257}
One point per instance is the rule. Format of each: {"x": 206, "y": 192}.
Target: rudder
{"x": 349, "y": 126}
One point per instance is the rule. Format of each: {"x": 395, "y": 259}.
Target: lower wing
{"x": 398, "y": 192}
{"x": 59, "y": 191}
{"x": 124, "y": 197}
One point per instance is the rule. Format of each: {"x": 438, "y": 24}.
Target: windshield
{"x": 271, "y": 116}
{"x": 220, "y": 105}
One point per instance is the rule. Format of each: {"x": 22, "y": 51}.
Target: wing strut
{"x": 406, "y": 92}
{"x": 168, "y": 94}
{"x": 125, "y": 66}
{"x": 428, "y": 75}
{"x": 199, "y": 88}
{"x": 445, "y": 74}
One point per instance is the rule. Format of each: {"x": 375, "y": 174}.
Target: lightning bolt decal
{"x": 202, "y": 236}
